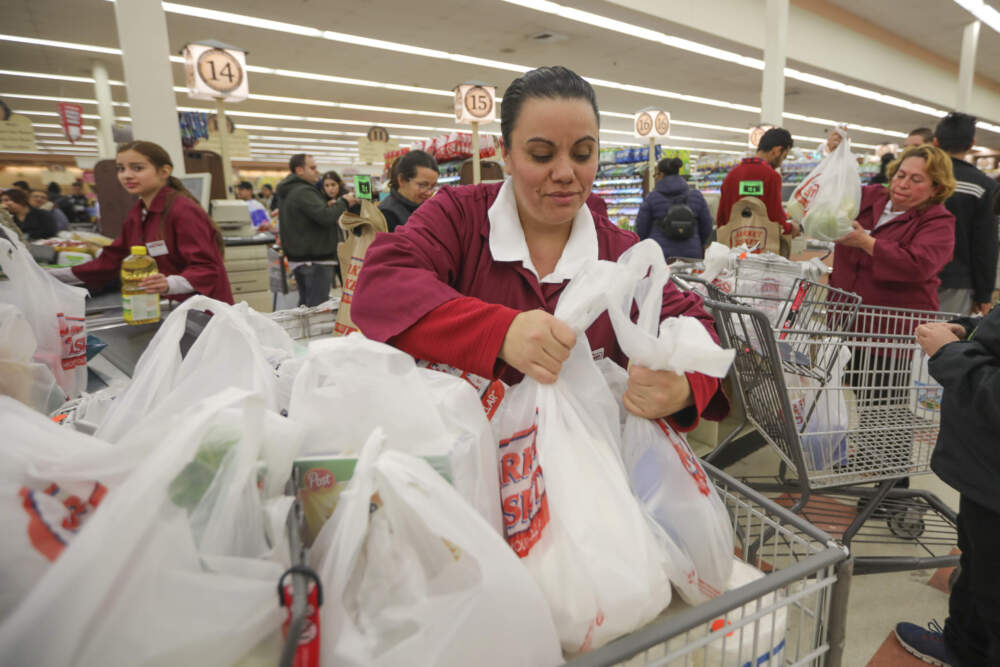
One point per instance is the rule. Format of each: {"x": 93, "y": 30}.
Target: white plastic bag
{"x": 231, "y": 351}
{"x": 55, "y": 311}
{"x": 413, "y": 575}
{"x": 828, "y": 198}
{"x": 821, "y": 415}
{"x": 133, "y": 587}
{"x": 28, "y": 381}
{"x": 350, "y": 385}
{"x": 568, "y": 509}
{"x": 665, "y": 474}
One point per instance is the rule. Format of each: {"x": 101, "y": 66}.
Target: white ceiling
{"x": 488, "y": 29}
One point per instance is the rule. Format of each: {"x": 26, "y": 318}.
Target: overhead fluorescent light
{"x": 981, "y": 11}
{"x": 61, "y": 45}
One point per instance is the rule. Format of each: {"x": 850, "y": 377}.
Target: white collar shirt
{"x": 507, "y": 242}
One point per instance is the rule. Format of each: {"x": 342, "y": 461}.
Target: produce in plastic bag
{"x": 827, "y": 200}
{"x": 349, "y": 386}
{"x": 413, "y": 575}
{"x": 665, "y": 474}
{"x": 568, "y": 510}
{"x": 133, "y": 588}
{"x": 821, "y": 415}
{"x": 54, "y": 310}
{"x": 28, "y": 381}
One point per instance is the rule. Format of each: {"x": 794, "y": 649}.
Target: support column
{"x": 142, "y": 35}
{"x": 967, "y": 66}
{"x": 772, "y": 96}
{"x": 106, "y": 111}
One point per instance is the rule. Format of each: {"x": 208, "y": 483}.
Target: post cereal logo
{"x": 318, "y": 479}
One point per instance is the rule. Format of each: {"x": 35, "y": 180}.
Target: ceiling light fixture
{"x": 981, "y": 11}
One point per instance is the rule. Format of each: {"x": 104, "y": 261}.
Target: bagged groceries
{"x": 55, "y": 312}
{"x": 413, "y": 575}
{"x": 351, "y": 255}
{"x": 237, "y": 348}
{"x": 349, "y": 386}
{"x": 134, "y": 587}
{"x": 568, "y": 510}
{"x": 28, "y": 381}
{"x": 821, "y": 415}
{"x": 827, "y": 200}
{"x": 664, "y": 472}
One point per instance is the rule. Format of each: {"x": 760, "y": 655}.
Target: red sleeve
{"x": 106, "y": 267}
{"x": 196, "y": 244}
{"x": 925, "y": 255}
{"x": 710, "y": 402}
{"x": 772, "y": 199}
{"x": 465, "y": 332}
{"x": 726, "y": 201}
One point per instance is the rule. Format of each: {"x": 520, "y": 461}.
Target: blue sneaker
{"x": 926, "y": 643}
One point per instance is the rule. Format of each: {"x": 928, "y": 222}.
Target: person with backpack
{"x": 675, "y": 215}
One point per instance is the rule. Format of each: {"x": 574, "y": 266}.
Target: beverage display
{"x": 138, "y": 305}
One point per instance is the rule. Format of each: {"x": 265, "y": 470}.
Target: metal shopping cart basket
{"x": 794, "y": 615}
{"x": 842, "y": 393}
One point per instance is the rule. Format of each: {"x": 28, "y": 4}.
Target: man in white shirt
{"x": 258, "y": 214}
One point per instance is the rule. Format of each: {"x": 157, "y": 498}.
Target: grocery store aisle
{"x": 879, "y": 601}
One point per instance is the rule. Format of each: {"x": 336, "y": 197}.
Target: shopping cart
{"x": 842, "y": 393}
{"x": 794, "y": 615}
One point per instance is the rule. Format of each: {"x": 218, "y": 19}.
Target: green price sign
{"x": 363, "y": 186}
{"x": 750, "y": 188}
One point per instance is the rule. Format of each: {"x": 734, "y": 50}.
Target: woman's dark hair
{"x": 17, "y": 196}
{"x": 670, "y": 166}
{"x": 159, "y": 158}
{"x": 406, "y": 166}
{"x": 333, "y": 176}
{"x": 548, "y": 83}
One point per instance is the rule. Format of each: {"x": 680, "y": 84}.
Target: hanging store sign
{"x": 16, "y": 133}
{"x": 238, "y": 140}
{"x": 652, "y": 123}
{"x": 71, "y": 116}
{"x": 214, "y": 73}
{"x": 373, "y": 152}
{"x": 475, "y": 103}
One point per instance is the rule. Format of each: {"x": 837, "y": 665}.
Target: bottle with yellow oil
{"x": 139, "y": 306}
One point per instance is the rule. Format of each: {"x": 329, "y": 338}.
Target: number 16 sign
{"x": 216, "y": 71}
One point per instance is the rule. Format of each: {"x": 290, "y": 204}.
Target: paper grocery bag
{"x": 351, "y": 254}
{"x": 749, "y": 225}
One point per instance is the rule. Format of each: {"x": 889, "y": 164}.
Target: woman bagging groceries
{"x": 169, "y": 222}
{"x": 474, "y": 276}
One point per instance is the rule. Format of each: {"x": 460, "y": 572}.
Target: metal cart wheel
{"x": 907, "y": 524}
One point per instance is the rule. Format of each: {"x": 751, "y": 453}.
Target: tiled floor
{"x": 878, "y": 601}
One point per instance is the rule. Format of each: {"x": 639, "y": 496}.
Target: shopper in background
{"x": 309, "y": 230}
{"x": 22, "y": 186}
{"x": 34, "y": 223}
{"x": 39, "y": 199}
{"x": 259, "y": 216}
{"x": 881, "y": 178}
{"x": 75, "y": 205}
{"x": 965, "y": 359}
{"x": 673, "y": 214}
{"x": 919, "y": 137}
{"x": 267, "y": 197}
{"x": 967, "y": 281}
{"x": 473, "y": 278}
{"x": 760, "y": 169}
{"x": 185, "y": 242}
{"x": 412, "y": 180}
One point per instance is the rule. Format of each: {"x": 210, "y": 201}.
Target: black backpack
{"x": 680, "y": 222}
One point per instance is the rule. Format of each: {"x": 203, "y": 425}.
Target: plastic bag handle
{"x": 307, "y": 572}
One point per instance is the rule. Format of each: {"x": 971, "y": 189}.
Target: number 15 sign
{"x": 214, "y": 72}
{"x": 474, "y": 103}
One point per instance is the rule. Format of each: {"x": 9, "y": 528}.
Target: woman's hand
{"x": 155, "y": 284}
{"x": 655, "y": 394}
{"x": 858, "y": 238}
{"x": 351, "y": 200}
{"x": 537, "y": 344}
{"x": 935, "y": 335}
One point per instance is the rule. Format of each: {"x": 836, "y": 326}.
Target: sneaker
{"x": 926, "y": 643}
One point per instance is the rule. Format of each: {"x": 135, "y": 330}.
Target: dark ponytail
{"x": 670, "y": 166}
{"x": 161, "y": 158}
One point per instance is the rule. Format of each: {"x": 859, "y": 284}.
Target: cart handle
{"x": 305, "y": 571}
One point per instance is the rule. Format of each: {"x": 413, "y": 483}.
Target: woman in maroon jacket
{"x": 185, "y": 242}
{"x": 474, "y": 276}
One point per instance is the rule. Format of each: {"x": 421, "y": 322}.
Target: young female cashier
{"x": 177, "y": 233}
{"x": 473, "y": 277}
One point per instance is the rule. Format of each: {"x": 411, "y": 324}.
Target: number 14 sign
{"x": 214, "y": 72}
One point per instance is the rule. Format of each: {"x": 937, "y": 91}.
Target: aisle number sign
{"x": 214, "y": 73}
{"x": 756, "y": 133}
{"x": 475, "y": 103}
{"x": 652, "y": 123}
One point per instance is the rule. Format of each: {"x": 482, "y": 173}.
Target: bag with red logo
{"x": 828, "y": 198}
{"x": 412, "y": 575}
{"x": 55, "y": 311}
{"x": 665, "y": 474}
{"x": 183, "y": 542}
{"x": 567, "y": 508}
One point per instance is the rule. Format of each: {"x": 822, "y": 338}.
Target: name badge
{"x": 156, "y": 248}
